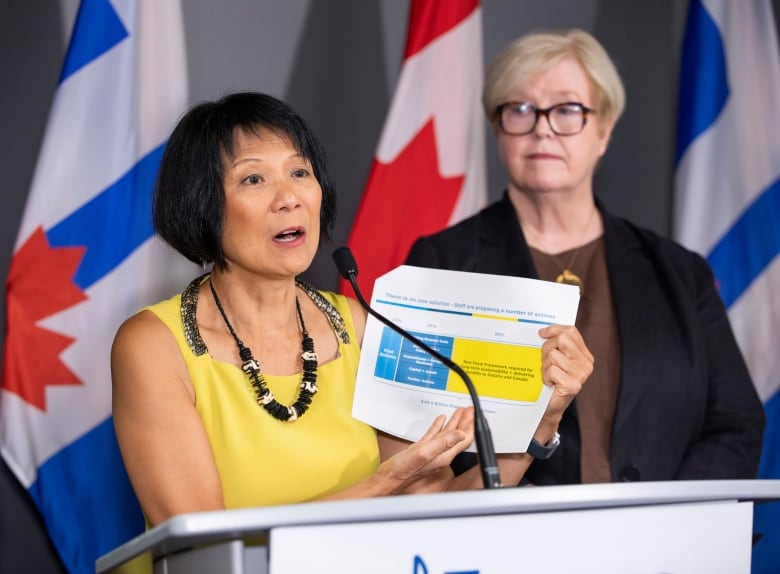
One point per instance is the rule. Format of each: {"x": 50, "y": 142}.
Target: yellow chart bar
{"x": 498, "y": 370}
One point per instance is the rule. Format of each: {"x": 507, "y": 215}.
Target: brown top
{"x": 596, "y": 321}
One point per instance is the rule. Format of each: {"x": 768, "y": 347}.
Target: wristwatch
{"x": 543, "y": 452}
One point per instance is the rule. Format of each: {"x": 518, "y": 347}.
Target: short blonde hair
{"x": 534, "y": 53}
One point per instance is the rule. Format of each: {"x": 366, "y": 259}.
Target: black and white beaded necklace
{"x": 251, "y": 367}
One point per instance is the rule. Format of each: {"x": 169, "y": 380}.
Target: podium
{"x": 653, "y": 527}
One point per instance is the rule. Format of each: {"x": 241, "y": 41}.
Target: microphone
{"x": 347, "y": 267}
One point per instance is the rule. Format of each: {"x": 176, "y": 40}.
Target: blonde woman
{"x": 670, "y": 396}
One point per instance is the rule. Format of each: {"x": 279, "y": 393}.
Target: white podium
{"x": 647, "y": 527}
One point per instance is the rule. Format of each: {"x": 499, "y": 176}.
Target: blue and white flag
{"x": 727, "y": 203}
{"x": 85, "y": 259}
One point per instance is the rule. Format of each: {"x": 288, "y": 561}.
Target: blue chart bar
{"x": 403, "y": 362}
{"x": 389, "y": 349}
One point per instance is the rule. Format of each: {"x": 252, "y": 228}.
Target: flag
{"x": 727, "y": 196}
{"x": 85, "y": 259}
{"x": 429, "y": 167}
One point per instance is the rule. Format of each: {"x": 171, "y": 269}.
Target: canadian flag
{"x": 429, "y": 168}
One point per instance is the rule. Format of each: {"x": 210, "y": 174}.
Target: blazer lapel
{"x": 629, "y": 279}
{"x": 502, "y": 246}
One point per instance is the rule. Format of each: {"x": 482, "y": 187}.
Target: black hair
{"x": 189, "y": 201}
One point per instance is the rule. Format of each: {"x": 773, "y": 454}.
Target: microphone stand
{"x": 485, "y": 452}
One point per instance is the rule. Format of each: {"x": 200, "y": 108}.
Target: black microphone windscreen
{"x": 345, "y": 262}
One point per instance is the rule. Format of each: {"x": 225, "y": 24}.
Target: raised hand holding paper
{"x": 487, "y": 324}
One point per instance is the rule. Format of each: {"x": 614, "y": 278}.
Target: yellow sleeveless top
{"x": 261, "y": 460}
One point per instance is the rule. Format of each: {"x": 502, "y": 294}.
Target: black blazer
{"x": 686, "y": 408}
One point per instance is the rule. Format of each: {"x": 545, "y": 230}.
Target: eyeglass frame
{"x": 543, "y": 112}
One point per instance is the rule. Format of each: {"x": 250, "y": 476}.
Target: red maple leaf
{"x": 403, "y": 200}
{"x": 40, "y": 283}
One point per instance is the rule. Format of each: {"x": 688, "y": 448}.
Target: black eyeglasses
{"x": 520, "y": 118}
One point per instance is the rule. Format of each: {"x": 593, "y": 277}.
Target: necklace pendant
{"x": 569, "y": 278}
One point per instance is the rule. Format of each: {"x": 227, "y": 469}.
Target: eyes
{"x": 521, "y": 118}
{"x": 257, "y": 178}
{"x": 253, "y": 179}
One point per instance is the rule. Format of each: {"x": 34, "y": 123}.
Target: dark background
{"x": 336, "y": 62}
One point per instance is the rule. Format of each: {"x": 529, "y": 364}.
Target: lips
{"x": 541, "y": 155}
{"x": 290, "y": 235}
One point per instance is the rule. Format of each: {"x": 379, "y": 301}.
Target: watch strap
{"x": 544, "y": 451}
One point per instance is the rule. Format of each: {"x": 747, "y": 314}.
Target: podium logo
{"x": 421, "y": 568}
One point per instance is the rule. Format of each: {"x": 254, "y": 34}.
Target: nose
{"x": 286, "y": 197}
{"x": 543, "y": 128}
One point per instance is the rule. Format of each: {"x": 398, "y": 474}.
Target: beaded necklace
{"x": 251, "y": 367}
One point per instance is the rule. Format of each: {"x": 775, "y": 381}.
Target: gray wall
{"x": 336, "y": 61}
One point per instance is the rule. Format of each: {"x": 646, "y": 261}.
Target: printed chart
{"x": 488, "y": 325}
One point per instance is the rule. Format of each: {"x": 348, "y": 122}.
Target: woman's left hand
{"x": 424, "y": 466}
{"x": 566, "y": 364}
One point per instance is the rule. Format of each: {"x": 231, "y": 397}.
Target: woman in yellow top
{"x": 238, "y": 392}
